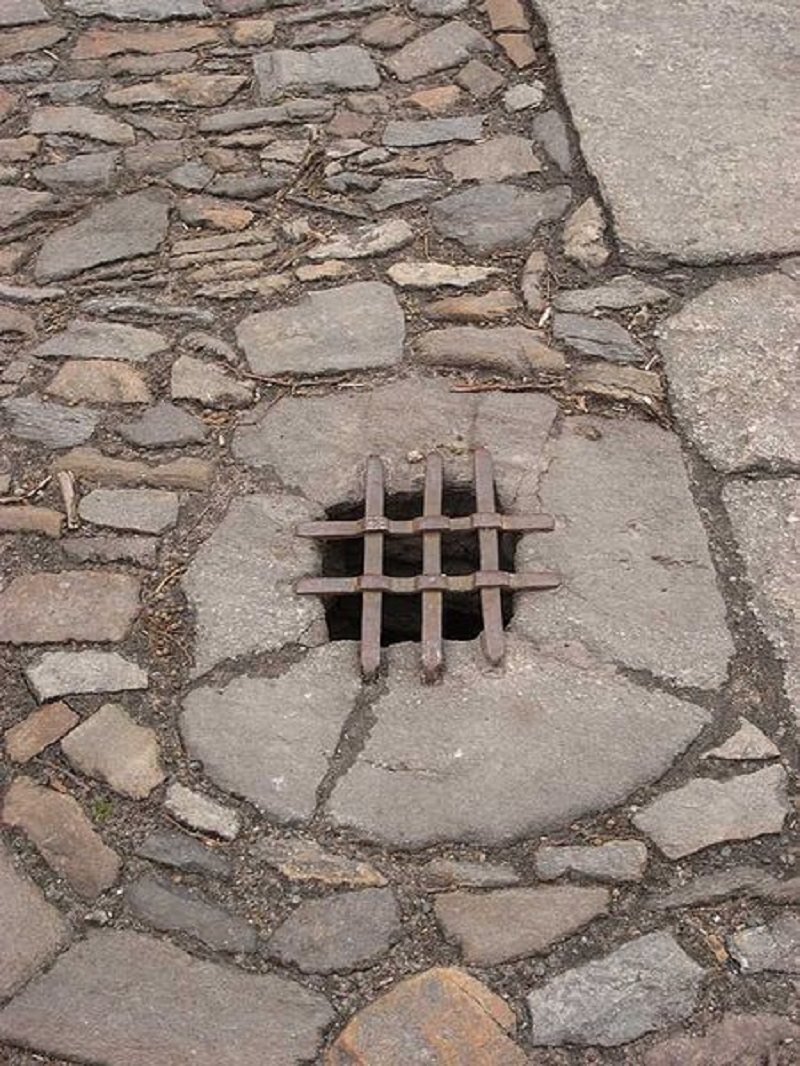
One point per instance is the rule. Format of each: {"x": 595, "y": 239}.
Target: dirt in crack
{"x": 402, "y": 614}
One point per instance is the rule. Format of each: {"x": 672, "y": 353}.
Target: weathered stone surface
{"x": 344, "y": 328}
{"x": 184, "y": 473}
{"x": 479, "y": 79}
{"x": 550, "y": 130}
{"x": 748, "y": 742}
{"x": 63, "y": 835}
{"x": 640, "y": 586}
{"x": 646, "y": 984}
{"x": 305, "y": 860}
{"x": 99, "y": 381}
{"x": 344, "y": 932}
{"x": 619, "y": 738}
{"x": 440, "y": 874}
{"x": 182, "y": 87}
{"x": 245, "y": 572}
{"x": 408, "y": 134}
{"x": 601, "y": 337}
{"x": 344, "y": 67}
{"x": 764, "y": 519}
{"x": 172, "y": 908}
{"x": 739, "y": 881}
{"x": 80, "y": 121}
{"x": 142, "y": 551}
{"x": 23, "y": 12}
{"x": 95, "y": 170}
{"x": 519, "y": 49}
{"x": 774, "y": 947}
{"x": 705, "y": 812}
{"x": 48, "y": 423}
{"x": 86, "y": 339}
{"x": 446, "y": 46}
{"x": 509, "y": 349}
{"x": 182, "y": 852}
{"x": 44, "y": 608}
{"x": 126, "y": 226}
{"x": 584, "y": 236}
{"x": 521, "y": 97}
{"x": 18, "y": 205}
{"x": 429, "y": 275}
{"x": 495, "y": 159}
{"x": 395, "y": 191}
{"x": 366, "y": 242}
{"x": 163, "y": 426}
{"x": 265, "y": 739}
{"x": 100, "y": 44}
{"x": 493, "y": 218}
{"x": 511, "y": 923}
{"x": 201, "y": 812}
{"x": 119, "y": 994}
{"x": 617, "y": 381}
{"x": 31, "y": 930}
{"x": 139, "y": 10}
{"x": 111, "y": 746}
{"x": 63, "y": 673}
{"x": 484, "y": 308}
{"x": 434, "y": 1016}
{"x": 436, "y": 101}
{"x": 654, "y": 91}
{"x": 731, "y": 360}
{"x": 208, "y": 384}
{"x": 41, "y": 728}
{"x": 620, "y": 293}
{"x": 388, "y": 31}
{"x": 735, "y": 1040}
{"x": 619, "y": 860}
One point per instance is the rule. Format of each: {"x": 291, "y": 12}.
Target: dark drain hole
{"x": 402, "y": 615}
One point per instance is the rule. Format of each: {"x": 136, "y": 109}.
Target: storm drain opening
{"x": 429, "y": 570}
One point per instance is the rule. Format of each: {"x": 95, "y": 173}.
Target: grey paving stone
{"x": 645, "y": 985}
{"x": 64, "y": 673}
{"x": 494, "y": 218}
{"x": 763, "y": 515}
{"x": 584, "y": 236}
{"x": 182, "y": 852}
{"x": 344, "y": 67}
{"x": 138, "y": 510}
{"x": 774, "y": 947}
{"x": 734, "y": 377}
{"x": 620, "y": 293}
{"x": 31, "y": 929}
{"x": 23, "y": 12}
{"x": 19, "y": 205}
{"x": 395, "y": 191}
{"x": 440, "y": 874}
{"x": 607, "y": 738}
{"x": 748, "y": 742}
{"x": 439, "y": 49}
{"x": 425, "y": 274}
{"x": 198, "y": 811}
{"x": 80, "y": 121}
{"x": 306, "y": 860}
{"x": 512, "y": 923}
{"x": 495, "y": 159}
{"x": 143, "y": 551}
{"x": 344, "y": 932}
{"x": 406, "y": 133}
{"x": 125, "y": 227}
{"x": 619, "y": 860}
{"x": 705, "y": 812}
{"x": 86, "y": 339}
{"x": 508, "y": 349}
{"x": 601, "y": 337}
{"x": 270, "y": 739}
{"x": 550, "y": 130}
{"x": 30, "y": 418}
{"x": 94, "y": 170}
{"x": 164, "y": 426}
{"x": 739, "y": 881}
{"x": 119, "y": 997}
{"x": 639, "y": 583}
{"x": 175, "y": 909}
{"x": 345, "y": 328}
{"x": 245, "y": 573}
{"x": 111, "y": 746}
{"x": 207, "y": 384}
{"x": 298, "y": 110}
{"x": 139, "y": 10}
{"x": 734, "y": 1040}
{"x": 688, "y": 135}
{"x": 365, "y": 242}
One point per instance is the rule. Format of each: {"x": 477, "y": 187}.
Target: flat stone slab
{"x": 618, "y": 860}
{"x": 508, "y": 349}
{"x": 306, "y": 860}
{"x": 31, "y": 929}
{"x": 81, "y": 605}
{"x": 86, "y": 339}
{"x": 688, "y": 134}
{"x": 345, "y": 328}
{"x": 599, "y": 337}
{"x": 774, "y": 947}
{"x": 63, "y": 673}
{"x": 18, "y": 205}
{"x": 565, "y": 741}
{"x": 345, "y": 67}
{"x": 173, "y": 908}
{"x": 439, "y": 49}
{"x": 139, "y": 10}
{"x": 23, "y": 12}
{"x": 735, "y": 1040}
{"x": 270, "y": 739}
{"x": 123, "y": 228}
{"x": 51, "y": 424}
{"x": 111, "y": 746}
{"x": 163, "y": 426}
{"x": 512, "y": 923}
{"x": 38, "y": 730}
{"x": 138, "y": 510}
{"x": 119, "y": 997}
{"x": 639, "y": 584}
{"x": 646, "y": 984}
{"x": 496, "y": 218}
{"x": 748, "y": 742}
{"x": 706, "y": 812}
{"x": 731, "y": 360}
{"x": 183, "y": 852}
{"x": 436, "y": 1016}
{"x": 241, "y": 582}
{"x": 200, "y": 812}
{"x": 344, "y": 932}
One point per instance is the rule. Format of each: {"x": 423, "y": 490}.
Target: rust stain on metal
{"x": 431, "y": 584}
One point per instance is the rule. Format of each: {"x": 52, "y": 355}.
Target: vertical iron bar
{"x": 489, "y": 545}
{"x": 432, "y": 599}
{"x": 372, "y": 602}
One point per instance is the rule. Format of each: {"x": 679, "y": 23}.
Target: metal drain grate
{"x": 431, "y": 584}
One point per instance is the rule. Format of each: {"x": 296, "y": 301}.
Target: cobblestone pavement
{"x": 245, "y": 244}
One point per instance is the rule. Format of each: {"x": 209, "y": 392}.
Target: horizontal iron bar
{"x": 406, "y": 586}
{"x": 507, "y": 523}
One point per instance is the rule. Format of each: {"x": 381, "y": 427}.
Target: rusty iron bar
{"x": 372, "y": 600}
{"x": 409, "y": 586}
{"x": 494, "y": 641}
{"x": 412, "y": 527}
{"x": 432, "y": 598}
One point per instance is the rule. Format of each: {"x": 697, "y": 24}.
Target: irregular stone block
{"x": 183, "y": 852}
{"x": 48, "y": 423}
{"x": 86, "y": 339}
{"x": 735, "y": 1040}
{"x": 111, "y": 746}
{"x": 619, "y": 860}
{"x": 494, "y": 218}
{"x": 63, "y": 673}
{"x": 174, "y": 909}
{"x": 40, "y": 729}
{"x": 509, "y": 349}
{"x": 305, "y": 860}
{"x": 344, "y": 67}
{"x": 446, "y": 46}
{"x": 80, "y": 605}
{"x": 201, "y": 812}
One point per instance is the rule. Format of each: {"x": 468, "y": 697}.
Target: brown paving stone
{"x": 42, "y": 727}
{"x": 111, "y": 746}
{"x": 184, "y": 473}
{"x": 253, "y": 31}
{"x": 389, "y": 31}
{"x": 484, "y": 308}
{"x": 8, "y": 102}
{"x": 518, "y": 48}
{"x": 305, "y": 860}
{"x": 16, "y": 42}
{"x": 99, "y": 44}
{"x": 99, "y": 381}
{"x": 440, "y": 1016}
{"x": 514, "y": 349}
{"x": 63, "y": 835}
{"x": 735, "y": 1040}
{"x": 26, "y": 519}
{"x": 507, "y": 15}
{"x": 82, "y": 605}
{"x": 479, "y": 79}
{"x": 436, "y": 101}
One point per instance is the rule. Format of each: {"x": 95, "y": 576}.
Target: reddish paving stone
{"x": 99, "y": 381}
{"x": 518, "y": 48}
{"x": 81, "y": 605}
{"x": 735, "y": 1040}
{"x": 42, "y": 727}
{"x": 442, "y": 1016}
{"x": 507, "y": 15}
{"x": 111, "y": 746}
{"x": 31, "y": 930}
{"x": 26, "y": 519}
{"x": 62, "y": 833}
{"x": 98, "y": 44}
